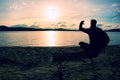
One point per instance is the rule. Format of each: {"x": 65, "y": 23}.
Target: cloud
{"x": 97, "y": 9}
{"x": 115, "y": 5}
{"x": 109, "y": 26}
{"x": 99, "y": 25}
{"x": 72, "y": 25}
{"x": 14, "y": 7}
{"x": 63, "y": 25}
{"x": 24, "y": 3}
{"x": 20, "y": 25}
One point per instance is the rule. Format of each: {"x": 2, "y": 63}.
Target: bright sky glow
{"x": 52, "y": 13}
{"x": 58, "y": 13}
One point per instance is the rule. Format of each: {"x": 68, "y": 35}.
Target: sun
{"x": 52, "y": 13}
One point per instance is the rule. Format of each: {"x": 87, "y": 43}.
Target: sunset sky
{"x": 58, "y": 13}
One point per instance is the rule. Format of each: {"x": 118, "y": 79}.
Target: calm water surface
{"x": 49, "y": 38}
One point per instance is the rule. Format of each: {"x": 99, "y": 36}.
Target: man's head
{"x": 93, "y": 23}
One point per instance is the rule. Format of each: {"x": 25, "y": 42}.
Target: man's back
{"x": 98, "y": 37}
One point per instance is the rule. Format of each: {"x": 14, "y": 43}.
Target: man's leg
{"x": 84, "y": 46}
{"x": 90, "y": 51}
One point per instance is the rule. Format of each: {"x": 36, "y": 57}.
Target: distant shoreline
{"x": 5, "y": 28}
{"x": 56, "y": 30}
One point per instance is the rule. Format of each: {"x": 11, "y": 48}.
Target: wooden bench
{"x": 60, "y": 58}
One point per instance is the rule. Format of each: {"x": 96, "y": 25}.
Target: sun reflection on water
{"x": 51, "y": 38}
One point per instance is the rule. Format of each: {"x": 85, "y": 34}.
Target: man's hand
{"x": 82, "y": 22}
{"x": 80, "y": 26}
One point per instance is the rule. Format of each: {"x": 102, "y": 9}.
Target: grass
{"x": 33, "y": 63}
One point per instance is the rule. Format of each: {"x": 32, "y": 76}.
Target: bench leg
{"x": 93, "y": 69}
{"x": 60, "y": 75}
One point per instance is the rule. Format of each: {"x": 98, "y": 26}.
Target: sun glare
{"x": 52, "y": 13}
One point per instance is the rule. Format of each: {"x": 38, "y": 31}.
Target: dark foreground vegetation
{"x": 33, "y": 63}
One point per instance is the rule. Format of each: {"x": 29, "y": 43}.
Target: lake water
{"x": 49, "y": 38}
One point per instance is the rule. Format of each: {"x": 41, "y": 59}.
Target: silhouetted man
{"x": 98, "y": 39}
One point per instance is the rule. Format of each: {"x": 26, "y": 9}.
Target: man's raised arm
{"x": 81, "y": 27}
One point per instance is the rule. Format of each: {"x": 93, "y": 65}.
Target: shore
{"x": 33, "y": 63}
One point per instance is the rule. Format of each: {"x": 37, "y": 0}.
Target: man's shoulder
{"x": 99, "y": 29}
